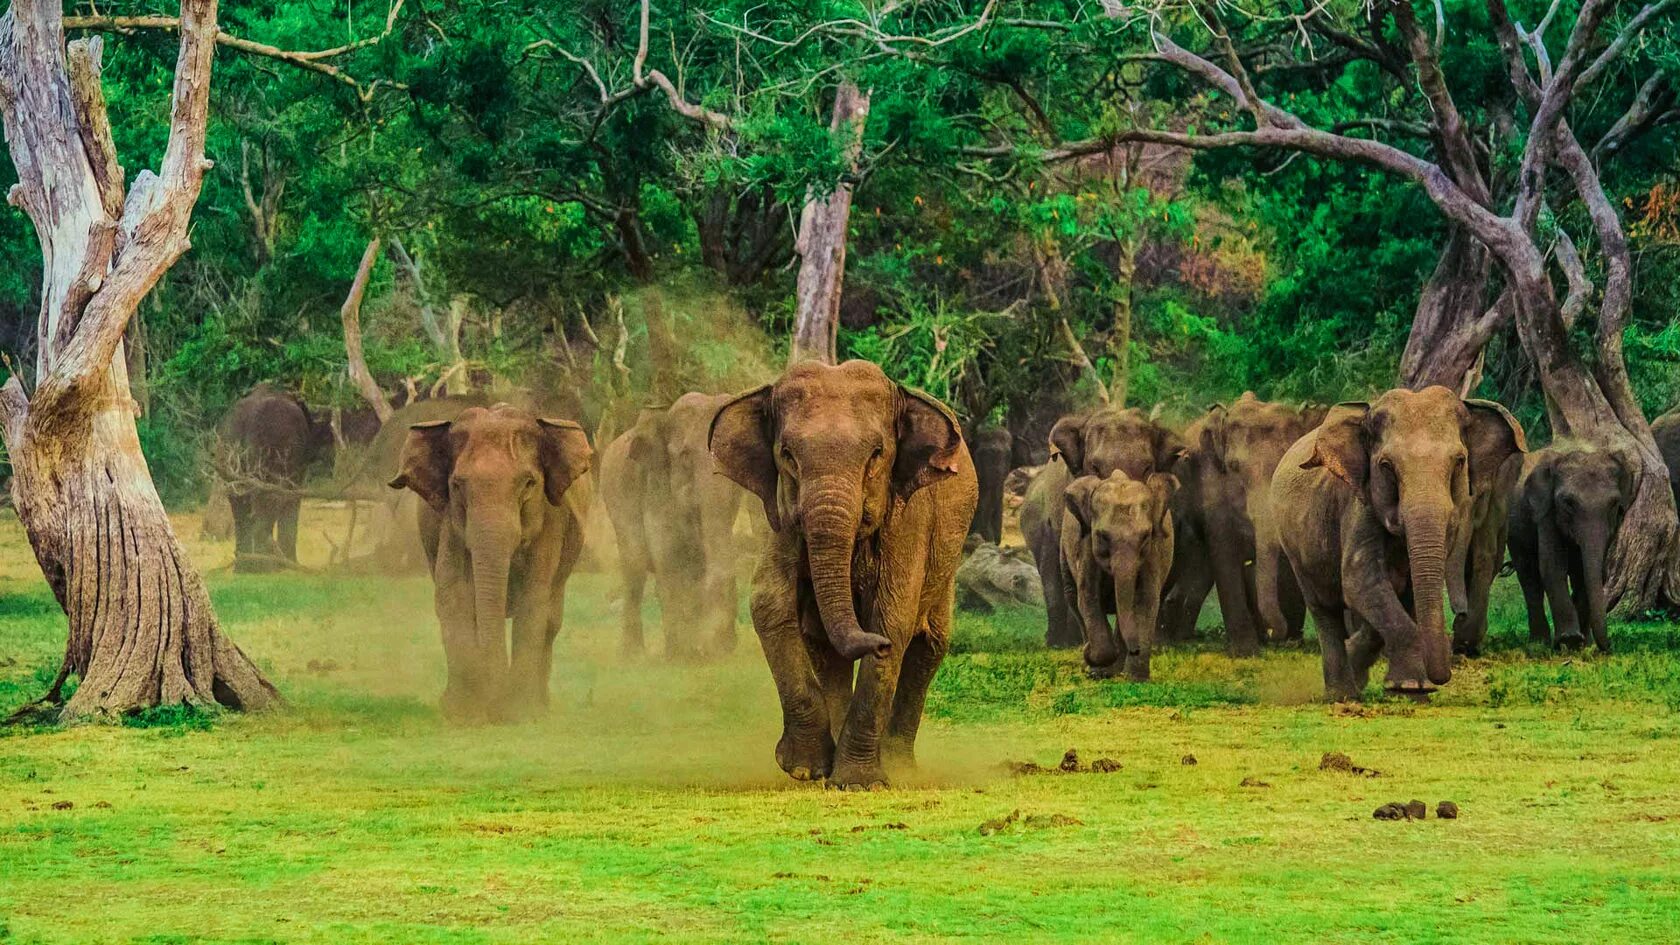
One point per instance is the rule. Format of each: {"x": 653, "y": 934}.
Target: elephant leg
{"x": 464, "y": 694}
{"x": 1232, "y": 583}
{"x": 1102, "y": 651}
{"x": 286, "y": 527}
{"x": 1534, "y": 600}
{"x": 1268, "y": 592}
{"x": 915, "y": 675}
{"x": 857, "y": 759}
{"x": 719, "y": 601}
{"x": 1191, "y": 584}
{"x": 244, "y": 526}
{"x": 1372, "y": 597}
{"x": 532, "y": 646}
{"x": 1578, "y": 597}
{"x": 1332, "y": 647}
{"x": 806, "y": 748}
{"x": 1061, "y": 632}
{"x": 1471, "y": 632}
{"x": 1292, "y": 603}
{"x": 635, "y": 576}
{"x": 1554, "y": 559}
{"x": 833, "y": 671}
{"x": 1364, "y": 645}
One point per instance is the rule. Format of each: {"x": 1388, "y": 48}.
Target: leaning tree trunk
{"x": 1455, "y": 319}
{"x": 141, "y": 629}
{"x": 350, "y": 317}
{"x": 822, "y": 242}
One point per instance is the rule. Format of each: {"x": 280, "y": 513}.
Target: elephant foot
{"x": 1571, "y": 641}
{"x": 1345, "y": 693}
{"x": 1410, "y": 686}
{"x": 460, "y": 707}
{"x": 858, "y": 777}
{"x": 1245, "y": 649}
{"x": 1103, "y": 671}
{"x": 1137, "y": 668}
{"x": 805, "y": 757}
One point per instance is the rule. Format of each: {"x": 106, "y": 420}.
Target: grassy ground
{"x": 649, "y": 806}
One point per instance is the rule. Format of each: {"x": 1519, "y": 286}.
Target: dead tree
{"x": 822, "y": 240}
{"x": 141, "y": 629}
{"x": 1595, "y": 403}
{"x": 350, "y": 316}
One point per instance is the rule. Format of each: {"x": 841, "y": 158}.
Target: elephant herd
{"x": 1375, "y": 518}
{"x": 1372, "y": 517}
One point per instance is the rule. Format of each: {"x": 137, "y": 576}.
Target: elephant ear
{"x": 1342, "y": 446}
{"x": 1626, "y": 481}
{"x": 1541, "y": 486}
{"x": 1169, "y": 448}
{"x": 1077, "y": 501}
{"x": 928, "y": 441}
{"x": 1067, "y": 440}
{"x": 1492, "y": 436}
{"x": 1313, "y": 414}
{"x": 1212, "y": 440}
{"x": 1164, "y": 486}
{"x": 647, "y": 441}
{"x": 428, "y": 456}
{"x": 564, "y": 453}
{"x": 741, "y": 443}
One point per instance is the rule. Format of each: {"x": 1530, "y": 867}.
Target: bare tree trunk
{"x": 822, "y": 242}
{"x": 1455, "y": 318}
{"x": 141, "y": 629}
{"x": 1120, "y": 343}
{"x": 351, "y": 316}
{"x": 444, "y": 335}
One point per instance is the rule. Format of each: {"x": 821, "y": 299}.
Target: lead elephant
{"x": 1371, "y": 508}
{"x": 868, "y": 490}
{"x": 1568, "y": 508}
{"x": 501, "y": 521}
{"x": 1117, "y": 547}
{"x": 674, "y": 520}
{"x": 1232, "y": 452}
{"x": 1096, "y": 443}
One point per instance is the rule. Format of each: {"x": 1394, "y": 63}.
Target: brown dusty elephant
{"x": 1095, "y": 443}
{"x": 674, "y": 519}
{"x": 502, "y": 530}
{"x": 1568, "y": 507}
{"x": 1232, "y": 452}
{"x": 1117, "y": 547}
{"x": 264, "y": 447}
{"x": 1371, "y": 508}
{"x": 869, "y": 490}
{"x": 991, "y": 449}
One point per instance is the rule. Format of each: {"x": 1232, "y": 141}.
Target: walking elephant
{"x": 674, "y": 519}
{"x": 1117, "y": 546}
{"x": 501, "y": 521}
{"x": 265, "y": 445}
{"x": 1568, "y": 508}
{"x": 868, "y": 490}
{"x": 1096, "y": 443}
{"x": 1232, "y": 453}
{"x": 1372, "y": 506}
{"x": 1484, "y": 554}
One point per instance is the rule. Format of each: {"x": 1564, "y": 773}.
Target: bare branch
{"x": 1620, "y": 44}
{"x": 350, "y": 315}
{"x": 1450, "y": 128}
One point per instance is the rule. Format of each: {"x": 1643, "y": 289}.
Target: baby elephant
{"x": 502, "y": 534}
{"x": 1117, "y": 547}
{"x": 1568, "y": 508}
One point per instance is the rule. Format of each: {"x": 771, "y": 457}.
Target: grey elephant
{"x": 1372, "y": 507}
{"x": 1563, "y": 521}
{"x": 868, "y": 490}
{"x": 1117, "y": 547}
{"x": 674, "y": 520}
{"x": 503, "y": 499}
{"x": 265, "y": 446}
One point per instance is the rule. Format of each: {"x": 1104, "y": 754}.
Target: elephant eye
{"x": 877, "y": 454}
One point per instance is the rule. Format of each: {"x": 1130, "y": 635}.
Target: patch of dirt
{"x": 860, "y": 828}
{"x": 1336, "y": 761}
{"x": 1105, "y": 766}
{"x": 1070, "y": 764}
{"x": 1254, "y": 782}
{"x": 64, "y": 805}
{"x": 321, "y": 667}
{"x": 1028, "y": 821}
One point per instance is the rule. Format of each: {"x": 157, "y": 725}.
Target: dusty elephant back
{"x": 264, "y": 437}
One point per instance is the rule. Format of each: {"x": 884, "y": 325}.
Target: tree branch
{"x": 350, "y": 316}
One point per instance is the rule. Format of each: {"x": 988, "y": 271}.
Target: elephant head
{"x": 1583, "y": 493}
{"x": 829, "y": 451}
{"x": 1104, "y": 440}
{"x": 489, "y": 473}
{"x": 1122, "y": 520}
{"x": 1416, "y": 458}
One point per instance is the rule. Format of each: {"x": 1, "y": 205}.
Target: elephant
{"x": 501, "y": 521}
{"x": 868, "y": 490}
{"x": 1232, "y": 452}
{"x": 265, "y": 446}
{"x": 1666, "y": 431}
{"x": 1485, "y": 553}
{"x": 674, "y": 519}
{"x": 1095, "y": 443}
{"x": 991, "y": 451}
{"x": 1372, "y": 506}
{"x": 1117, "y": 547}
{"x": 1568, "y": 507}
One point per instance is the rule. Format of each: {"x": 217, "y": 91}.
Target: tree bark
{"x": 1120, "y": 343}
{"x": 141, "y": 629}
{"x": 351, "y": 317}
{"x": 822, "y": 241}
{"x": 1455, "y": 319}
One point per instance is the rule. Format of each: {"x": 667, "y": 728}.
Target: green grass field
{"x": 649, "y": 807}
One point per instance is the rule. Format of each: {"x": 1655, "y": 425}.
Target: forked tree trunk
{"x": 1455, "y": 319}
{"x": 141, "y": 629}
{"x": 350, "y": 317}
{"x": 822, "y": 242}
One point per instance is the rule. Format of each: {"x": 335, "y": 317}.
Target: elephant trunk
{"x": 1458, "y": 565}
{"x": 1595, "y": 548}
{"x": 1124, "y": 569}
{"x": 490, "y": 542}
{"x": 830, "y": 517}
{"x": 1426, "y": 547}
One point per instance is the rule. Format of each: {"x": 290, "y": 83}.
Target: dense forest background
{"x": 620, "y": 220}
